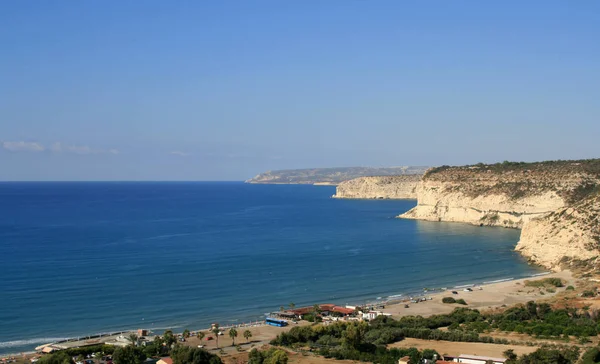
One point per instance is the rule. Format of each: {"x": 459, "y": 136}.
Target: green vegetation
{"x": 367, "y": 342}
{"x": 247, "y": 335}
{"x": 546, "y": 355}
{"x": 588, "y": 293}
{"x": 271, "y": 356}
{"x": 351, "y": 341}
{"x": 216, "y": 330}
{"x": 570, "y": 288}
{"x": 555, "y": 282}
{"x": 233, "y": 334}
{"x": 182, "y": 354}
{"x": 129, "y": 355}
{"x": 591, "y": 356}
{"x": 64, "y": 356}
{"x": 460, "y": 301}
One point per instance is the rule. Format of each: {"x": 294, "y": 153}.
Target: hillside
{"x": 380, "y": 187}
{"x": 537, "y": 197}
{"x": 331, "y": 176}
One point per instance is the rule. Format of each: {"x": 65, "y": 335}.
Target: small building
{"x": 166, "y": 360}
{"x": 404, "y": 360}
{"x": 476, "y": 359}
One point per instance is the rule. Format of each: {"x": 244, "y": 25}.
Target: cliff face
{"x": 563, "y": 236}
{"x": 536, "y": 197}
{"x": 392, "y": 187}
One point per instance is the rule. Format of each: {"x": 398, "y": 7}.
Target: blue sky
{"x": 222, "y": 90}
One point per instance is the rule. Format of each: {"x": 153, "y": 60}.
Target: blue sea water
{"x": 84, "y": 258}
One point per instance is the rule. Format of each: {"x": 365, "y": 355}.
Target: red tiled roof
{"x": 343, "y": 310}
{"x": 167, "y": 360}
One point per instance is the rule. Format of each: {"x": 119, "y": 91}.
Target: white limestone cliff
{"x": 379, "y": 187}
{"x": 556, "y": 205}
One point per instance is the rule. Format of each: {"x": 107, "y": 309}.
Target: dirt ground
{"x": 261, "y": 335}
{"x": 457, "y": 348}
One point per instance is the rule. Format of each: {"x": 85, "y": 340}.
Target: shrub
{"x": 448, "y": 300}
{"x": 556, "y": 282}
{"x": 461, "y": 301}
{"x": 570, "y": 288}
{"x": 588, "y": 293}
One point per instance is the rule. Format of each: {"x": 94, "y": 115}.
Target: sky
{"x": 224, "y": 90}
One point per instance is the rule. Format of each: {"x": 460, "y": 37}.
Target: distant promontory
{"x": 331, "y": 176}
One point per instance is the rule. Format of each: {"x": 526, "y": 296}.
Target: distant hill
{"x": 331, "y": 176}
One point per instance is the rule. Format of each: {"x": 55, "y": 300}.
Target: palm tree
{"x": 133, "y": 338}
{"x": 281, "y": 308}
{"x": 316, "y": 309}
{"x": 215, "y": 330}
{"x": 292, "y": 305}
{"x": 200, "y": 335}
{"x": 247, "y": 335}
{"x": 169, "y": 338}
{"x": 186, "y": 333}
{"x": 233, "y": 334}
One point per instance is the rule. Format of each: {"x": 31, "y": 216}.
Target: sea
{"x": 80, "y": 258}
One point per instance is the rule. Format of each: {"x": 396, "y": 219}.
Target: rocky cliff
{"x": 532, "y": 196}
{"x": 566, "y": 236}
{"x": 393, "y": 187}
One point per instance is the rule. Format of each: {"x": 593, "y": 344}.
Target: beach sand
{"x": 490, "y": 296}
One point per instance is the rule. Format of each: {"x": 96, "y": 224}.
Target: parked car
{"x": 454, "y": 292}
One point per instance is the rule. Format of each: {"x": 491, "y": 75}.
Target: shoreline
{"x": 486, "y": 297}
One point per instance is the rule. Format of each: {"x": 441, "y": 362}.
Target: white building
{"x": 475, "y": 359}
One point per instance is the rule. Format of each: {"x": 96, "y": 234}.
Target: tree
{"x": 133, "y": 338}
{"x": 316, "y": 309}
{"x": 233, "y": 334}
{"x": 215, "y": 330}
{"x": 247, "y": 335}
{"x": 276, "y": 356}
{"x": 354, "y": 334}
{"x": 186, "y": 333}
{"x": 281, "y": 308}
{"x": 128, "y": 355}
{"x": 200, "y": 335}
{"x": 510, "y": 355}
{"x": 292, "y": 305}
{"x": 60, "y": 357}
{"x": 591, "y": 356}
{"x": 169, "y": 338}
{"x": 187, "y": 355}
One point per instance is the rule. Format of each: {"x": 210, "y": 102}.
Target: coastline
{"x": 484, "y": 295}
{"x": 490, "y": 295}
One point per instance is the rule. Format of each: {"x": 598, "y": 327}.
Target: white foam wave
{"x": 464, "y": 286}
{"x": 499, "y": 280}
{"x": 540, "y": 274}
{"x": 41, "y": 340}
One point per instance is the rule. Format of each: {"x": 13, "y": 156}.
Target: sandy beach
{"x": 485, "y": 296}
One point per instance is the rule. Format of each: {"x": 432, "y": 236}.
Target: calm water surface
{"x": 82, "y": 258}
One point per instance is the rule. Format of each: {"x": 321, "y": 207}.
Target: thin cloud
{"x": 180, "y": 153}
{"x": 22, "y": 146}
{"x": 59, "y": 147}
